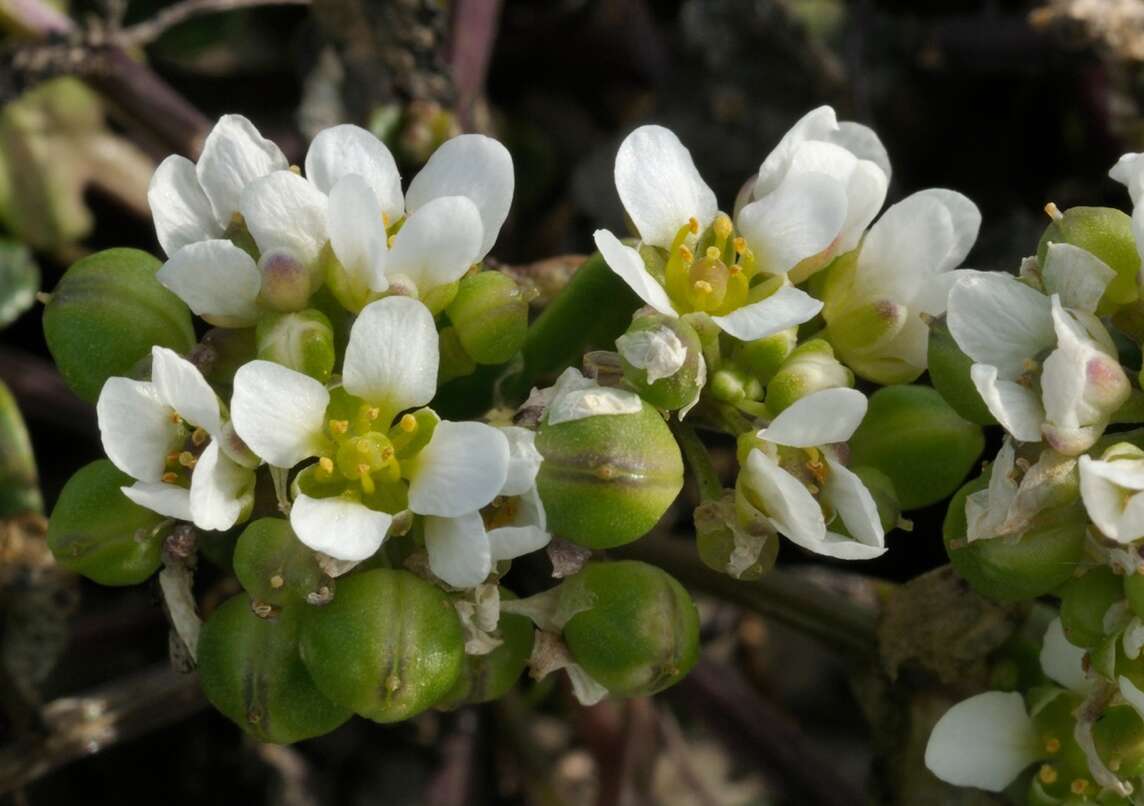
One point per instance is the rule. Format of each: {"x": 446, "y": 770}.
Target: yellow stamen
{"x": 363, "y": 447}
{"x": 326, "y": 464}
{"x": 187, "y": 459}
{"x": 1047, "y": 774}
{"x": 1079, "y": 786}
{"x": 366, "y": 482}
{"x": 175, "y": 418}
{"x": 686, "y": 255}
{"x": 385, "y": 219}
{"x": 199, "y": 437}
{"x": 722, "y": 227}
{"x": 693, "y": 225}
{"x": 1053, "y": 212}
{"x": 172, "y": 457}
{"x": 277, "y": 581}
{"x": 408, "y": 423}
{"x": 1053, "y": 745}
{"x": 713, "y": 253}
{"x": 169, "y": 478}
{"x": 373, "y": 413}
{"x": 386, "y": 454}
{"x": 339, "y": 426}
{"x": 294, "y": 169}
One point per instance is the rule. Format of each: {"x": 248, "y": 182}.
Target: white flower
{"x": 1008, "y": 328}
{"x": 165, "y": 433}
{"x": 1112, "y": 488}
{"x": 811, "y": 425}
{"x": 574, "y": 397}
{"x": 390, "y": 367}
{"x": 668, "y": 202}
{"x": 1018, "y": 493}
{"x": 985, "y": 741}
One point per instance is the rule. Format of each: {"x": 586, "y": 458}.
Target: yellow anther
{"x": 1079, "y": 786}
{"x": 236, "y": 219}
{"x": 735, "y": 269}
{"x": 740, "y": 245}
{"x": 277, "y": 581}
{"x": 199, "y": 437}
{"x": 172, "y": 457}
{"x": 702, "y": 287}
{"x": 713, "y": 253}
{"x": 175, "y": 418}
{"x": 362, "y": 447}
{"x": 408, "y": 423}
{"x": 693, "y": 225}
{"x": 722, "y": 226}
{"x": 1053, "y": 745}
{"x": 366, "y": 482}
{"x": 294, "y": 169}
{"x": 339, "y": 426}
{"x": 686, "y": 255}
{"x": 1030, "y": 365}
{"x": 326, "y": 464}
{"x": 187, "y": 459}
{"x": 385, "y": 219}
{"x": 1047, "y": 774}
{"x": 373, "y": 412}
{"x": 386, "y": 454}
{"x": 169, "y": 478}
{"x": 1053, "y": 212}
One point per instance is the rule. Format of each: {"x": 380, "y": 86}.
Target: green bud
{"x": 763, "y": 357}
{"x": 812, "y": 367}
{"x": 913, "y": 436}
{"x": 641, "y": 634}
{"x": 1004, "y": 569}
{"x": 663, "y": 360}
{"x": 106, "y": 313}
{"x": 485, "y": 678}
{"x": 606, "y": 480}
{"x": 19, "y": 487}
{"x": 387, "y": 647}
{"x": 1106, "y": 233}
{"x": 302, "y": 341}
{"x": 251, "y": 671}
{"x": 1084, "y": 601}
{"x": 286, "y": 283}
{"x": 97, "y": 531}
{"x": 274, "y": 567}
{"x": 490, "y": 314}
{"x": 949, "y": 374}
{"x": 730, "y": 384}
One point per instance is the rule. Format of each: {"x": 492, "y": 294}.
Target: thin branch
{"x": 146, "y": 32}
{"x": 698, "y": 462}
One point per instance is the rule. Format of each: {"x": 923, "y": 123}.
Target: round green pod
{"x": 490, "y": 314}
{"x": 677, "y": 390}
{"x": 387, "y": 647}
{"x": 913, "y": 436}
{"x": 1038, "y": 562}
{"x": 1084, "y": 601}
{"x": 949, "y": 374}
{"x": 106, "y": 313}
{"x": 273, "y": 566}
{"x": 485, "y": 678}
{"x": 250, "y": 671}
{"x": 97, "y": 531}
{"x": 606, "y": 480}
{"x": 1107, "y": 233}
{"x": 641, "y": 634}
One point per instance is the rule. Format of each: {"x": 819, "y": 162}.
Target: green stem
{"x": 698, "y": 462}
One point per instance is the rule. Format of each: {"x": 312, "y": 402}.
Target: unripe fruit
{"x": 641, "y": 633}
{"x": 273, "y": 566}
{"x": 1106, "y": 233}
{"x": 302, "y": 341}
{"x": 97, "y": 531}
{"x": 606, "y": 480}
{"x": 1119, "y": 735}
{"x": 387, "y": 647}
{"x": 485, "y": 678}
{"x": 251, "y": 671}
{"x": 106, "y": 313}
{"x": 913, "y": 436}
{"x": 949, "y": 374}
{"x": 682, "y": 386}
{"x": 1084, "y": 601}
{"x": 490, "y": 314}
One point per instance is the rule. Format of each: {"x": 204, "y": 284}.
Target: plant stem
{"x": 698, "y": 462}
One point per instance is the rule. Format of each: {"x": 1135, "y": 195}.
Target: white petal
{"x": 659, "y": 185}
{"x": 392, "y": 357}
{"x": 220, "y": 490}
{"x": 1114, "y": 497}
{"x": 474, "y": 166}
{"x": 1064, "y": 376}
{"x": 345, "y": 150}
{"x": 787, "y": 307}
{"x": 865, "y": 195}
{"x": 1077, "y": 275}
{"x": 986, "y": 510}
{"x": 168, "y": 500}
{"x": 985, "y": 742}
{"x": 1132, "y": 695}
{"x": 999, "y": 321}
{"x": 136, "y": 427}
{"x": 1016, "y": 407}
{"x": 820, "y": 418}
{"x": 510, "y": 542}
{"x": 342, "y": 528}
{"x": 182, "y": 387}
{"x": 278, "y": 413}
{"x": 788, "y": 504}
{"x": 462, "y": 469}
{"x": 627, "y": 263}
{"x": 215, "y": 279}
{"x": 855, "y": 506}
{"x": 594, "y": 401}
{"x": 286, "y": 213}
{"x": 234, "y": 155}
{"x": 1129, "y": 171}
{"x": 523, "y": 460}
{"x": 966, "y": 219}
{"x": 799, "y": 219}
{"x": 1060, "y": 660}
{"x": 438, "y": 243}
{"x": 817, "y": 124}
{"x": 864, "y": 143}
{"x": 181, "y": 210}
{"x": 658, "y": 351}
{"x": 357, "y": 234}
{"x": 458, "y": 549}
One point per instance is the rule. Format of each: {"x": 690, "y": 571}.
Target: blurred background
{"x": 1013, "y": 103}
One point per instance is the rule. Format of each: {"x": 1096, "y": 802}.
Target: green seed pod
{"x": 97, "y": 531}
{"x": 727, "y": 545}
{"x": 1134, "y": 591}
{"x": 812, "y": 367}
{"x": 763, "y": 357}
{"x": 273, "y": 566}
{"x": 490, "y": 314}
{"x": 251, "y": 672}
{"x": 1084, "y": 601}
{"x": 1119, "y": 735}
{"x": 949, "y": 374}
{"x": 913, "y": 436}
{"x": 606, "y": 480}
{"x": 19, "y": 487}
{"x": 641, "y": 634}
{"x": 663, "y": 360}
{"x": 485, "y": 678}
{"x": 302, "y": 341}
{"x": 1037, "y": 563}
{"x": 1106, "y": 233}
{"x": 388, "y": 647}
{"x": 106, "y": 313}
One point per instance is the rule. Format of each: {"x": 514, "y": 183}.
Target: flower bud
{"x": 19, "y": 487}
{"x": 286, "y": 282}
{"x": 949, "y": 374}
{"x": 274, "y": 567}
{"x": 302, "y": 341}
{"x": 106, "y": 313}
{"x": 662, "y": 360}
{"x": 97, "y": 531}
{"x": 490, "y": 314}
{"x": 913, "y": 436}
{"x": 607, "y": 479}
{"x": 1106, "y": 233}
{"x": 488, "y": 677}
{"x": 387, "y": 647}
{"x": 641, "y": 633}
{"x": 812, "y": 367}
{"x": 250, "y": 671}
{"x": 1084, "y": 601}
{"x": 730, "y": 384}
{"x": 763, "y": 357}
{"x": 865, "y": 337}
